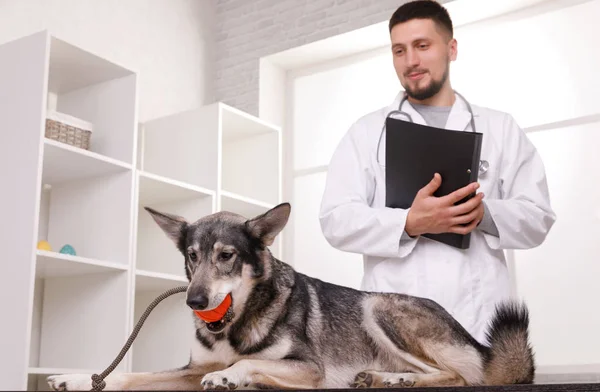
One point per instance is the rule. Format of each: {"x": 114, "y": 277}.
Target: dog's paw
{"x": 375, "y": 379}
{"x": 70, "y": 382}
{"x": 401, "y": 380}
{"x": 225, "y": 379}
{"x": 362, "y": 380}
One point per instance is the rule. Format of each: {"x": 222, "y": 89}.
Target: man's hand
{"x": 430, "y": 214}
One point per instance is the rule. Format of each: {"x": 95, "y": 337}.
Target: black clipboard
{"x": 415, "y": 152}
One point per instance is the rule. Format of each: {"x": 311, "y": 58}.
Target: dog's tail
{"x": 511, "y": 358}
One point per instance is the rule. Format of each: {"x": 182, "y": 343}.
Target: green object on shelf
{"x": 68, "y": 250}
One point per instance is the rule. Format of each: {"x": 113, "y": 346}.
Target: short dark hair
{"x": 423, "y": 9}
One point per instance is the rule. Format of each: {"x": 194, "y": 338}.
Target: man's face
{"x": 422, "y": 55}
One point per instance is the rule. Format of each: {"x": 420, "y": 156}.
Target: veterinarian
{"x": 511, "y": 211}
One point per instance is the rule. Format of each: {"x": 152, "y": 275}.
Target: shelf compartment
{"x": 92, "y": 214}
{"x": 238, "y": 125}
{"x": 251, "y": 156}
{"x": 72, "y": 68}
{"x": 64, "y": 163}
{"x": 167, "y": 336}
{"x": 156, "y": 190}
{"x": 54, "y": 264}
{"x": 183, "y": 147}
{"x": 154, "y": 281}
{"x": 86, "y": 86}
{"x": 156, "y": 253}
{"x": 79, "y": 322}
{"x": 245, "y": 206}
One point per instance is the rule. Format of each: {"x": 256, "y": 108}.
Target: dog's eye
{"x": 224, "y": 256}
{"x": 192, "y": 255}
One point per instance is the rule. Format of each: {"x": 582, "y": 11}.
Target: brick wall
{"x": 250, "y": 29}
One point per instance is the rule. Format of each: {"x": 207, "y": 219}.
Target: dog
{"x": 286, "y": 330}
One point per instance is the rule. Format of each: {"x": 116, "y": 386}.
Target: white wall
{"x": 170, "y": 42}
{"x": 551, "y": 93}
{"x": 326, "y": 100}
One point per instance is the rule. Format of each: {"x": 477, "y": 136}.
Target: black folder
{"x": 415, "y": 152}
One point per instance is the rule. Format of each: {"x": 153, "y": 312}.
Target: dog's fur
{"x": 293, "y": 331}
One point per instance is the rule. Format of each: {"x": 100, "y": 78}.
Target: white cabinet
{"x": 72, "y": 313}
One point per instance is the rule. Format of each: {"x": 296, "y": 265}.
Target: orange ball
{"x": 216, "y": 314}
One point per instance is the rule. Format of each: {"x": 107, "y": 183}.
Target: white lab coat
{"x": 467, "y": 283}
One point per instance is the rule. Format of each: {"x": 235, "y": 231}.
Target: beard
{"x": 434, "y": 87}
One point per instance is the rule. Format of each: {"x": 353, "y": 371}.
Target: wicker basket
{"x": 68, "y": 129}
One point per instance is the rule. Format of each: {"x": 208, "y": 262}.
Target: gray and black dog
{"x": 287, "y": 330}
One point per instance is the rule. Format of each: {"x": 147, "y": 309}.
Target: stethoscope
{"x": 483, "y": 164}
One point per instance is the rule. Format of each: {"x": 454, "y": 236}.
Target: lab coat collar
{"x": 458, "y": 119}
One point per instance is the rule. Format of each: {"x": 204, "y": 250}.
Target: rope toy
{"x": 98, "y": 383}
{"x": 216, "y": 314}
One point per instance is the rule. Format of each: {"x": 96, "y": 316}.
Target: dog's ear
{"x": 173, "y": 225}
{"x": 268, "y": 225}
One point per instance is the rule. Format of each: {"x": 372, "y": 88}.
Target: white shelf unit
{"x": 74, "y": 313}
{"x": 217, "y": 148}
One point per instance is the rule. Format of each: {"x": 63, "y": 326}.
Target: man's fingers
{"x": 465, "y": 218}
{"x": 467, "y": 206}
{"x": 460, "y": 194}
{"x": 464, "y": 229}
{"x": 432, "y": 186}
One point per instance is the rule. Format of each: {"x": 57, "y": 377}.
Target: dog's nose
{"x": 197, "y": 302}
